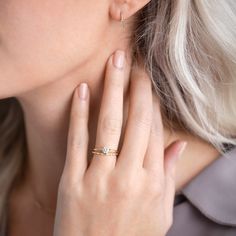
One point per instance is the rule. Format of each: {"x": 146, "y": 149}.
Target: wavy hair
{"x": 189, "y": 50}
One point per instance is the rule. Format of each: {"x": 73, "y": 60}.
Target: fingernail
{"x": 83, "y": 91}
{"x": 119, "y": 59}
{"x": 181, "y": 148}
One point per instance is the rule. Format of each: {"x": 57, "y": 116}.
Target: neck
{"x": 46, "y": 112}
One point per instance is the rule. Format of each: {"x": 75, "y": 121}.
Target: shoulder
{"x": 207, "y": 204}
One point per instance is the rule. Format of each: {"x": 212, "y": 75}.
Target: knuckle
{"x": 78, "y": 115}
{"x": 142, "y": 117}
{"x": 96, "y": 186}
{"x": 111, "y": 125}
{"x": 155, "y": 188}
{"x": 121, "y": 189}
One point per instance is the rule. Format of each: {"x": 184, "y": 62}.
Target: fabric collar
{"x": 213, "y": 191}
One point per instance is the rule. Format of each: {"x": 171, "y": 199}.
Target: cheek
{"x": 41, "y": 41}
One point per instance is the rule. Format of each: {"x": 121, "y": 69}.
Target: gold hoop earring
{"x": 122, "y": 20}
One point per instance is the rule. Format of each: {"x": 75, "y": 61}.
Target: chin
{"x": 13, "y": 92}
{"x": 4, "y": 95}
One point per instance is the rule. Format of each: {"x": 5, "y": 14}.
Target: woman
{"x": 180, "y": 65}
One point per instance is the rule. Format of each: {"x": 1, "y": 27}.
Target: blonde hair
{"x": 189, "y": 50}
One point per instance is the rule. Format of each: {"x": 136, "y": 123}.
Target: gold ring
{"x": 105, "y": 151}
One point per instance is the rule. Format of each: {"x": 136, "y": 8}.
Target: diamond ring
{"x": 105, "y": 151}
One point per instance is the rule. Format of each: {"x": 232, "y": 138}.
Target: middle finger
{"x": 111, "y": 112}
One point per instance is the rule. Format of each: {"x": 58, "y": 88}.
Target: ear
{"x": 127, "y": 7}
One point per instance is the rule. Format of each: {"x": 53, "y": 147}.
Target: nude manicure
{"x": 83, "y": 91}
{"x": 119, "y": 59}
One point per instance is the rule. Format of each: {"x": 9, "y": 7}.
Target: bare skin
{"x": 42, "y": 220}
{"x": 45, "y": 187}
{"x": 41, "y": 69}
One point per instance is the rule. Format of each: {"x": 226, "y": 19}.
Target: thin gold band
{"x": 105, "y": 151}
{"x": 101, "y": 149}
{"x": 102, "y": 154}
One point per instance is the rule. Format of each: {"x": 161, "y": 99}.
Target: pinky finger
{"x": 172, "y": 154}
{"x": 78, "y": 137}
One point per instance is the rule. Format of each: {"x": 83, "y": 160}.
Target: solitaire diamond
{"x": 105, "y": 150}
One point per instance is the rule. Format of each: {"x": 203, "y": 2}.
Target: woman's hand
{"x": 128, "y": 196}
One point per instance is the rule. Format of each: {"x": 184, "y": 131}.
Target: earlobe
{"x": 117, "y": 7}
{"x": 127, "y": 7}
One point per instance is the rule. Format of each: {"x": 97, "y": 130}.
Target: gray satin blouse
{"x": 206, "y": 206}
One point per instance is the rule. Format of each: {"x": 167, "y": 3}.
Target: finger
{"x": 111, "y": 112}
{"x": 139, "y": 121}
{"x": 78, "y": 137}
{"x": 172, "y": 154}
{"x": 153, "y": 160}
